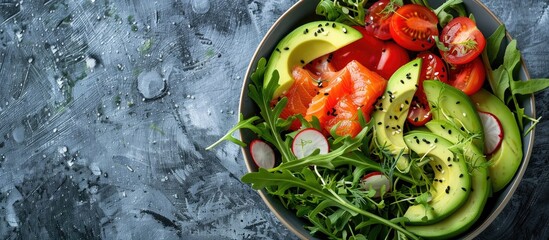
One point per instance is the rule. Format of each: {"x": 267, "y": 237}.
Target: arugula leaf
{"x": 444, "y": 11}
{"x": 280, "y": 181}
{"x": 493, "y": 43}
{"x": 530, "y": 86}
{"x": 350, "y": 12}
{"x": 242, "y": 123}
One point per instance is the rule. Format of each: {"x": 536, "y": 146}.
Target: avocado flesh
{"x": 451, "y": 184}
{"x": 304, "y": 44}
{"x": 505, "y": 161}
{"x": 391, "y": 111}
{"x": 451, "y": 104}
{"x": 466, "y": 215}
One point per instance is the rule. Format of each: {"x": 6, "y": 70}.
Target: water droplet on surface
{"x": 200, "y": 6}
{"x": 91, "y": 62}
{"x": 18, "y": 134}
{"x": 151, "y": 85}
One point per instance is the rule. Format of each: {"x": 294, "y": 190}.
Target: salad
{"x": 387, "y": 120}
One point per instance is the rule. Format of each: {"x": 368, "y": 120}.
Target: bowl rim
{"x": 508, "y": 191}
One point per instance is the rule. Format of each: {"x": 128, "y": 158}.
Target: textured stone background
{"x": 106, "y": 108}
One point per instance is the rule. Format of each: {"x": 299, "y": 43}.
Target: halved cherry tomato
{"x": 433, "y": 68}
{"x": 414, "y": 27}
{"x": 378, "y": 18}
{"x": 382, "y": 57}
{"x": 463, "y": 39}
{"x": 392, "y": 57}
{"x": 468, "y": 77}
{"x": 419, "y": 113}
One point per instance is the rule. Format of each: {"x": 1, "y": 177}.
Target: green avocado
{"x": 305, "y": 44}
{"x": 391, "y": 111}
{"x": 466, "y": 215}
{"x": 452, "y": 105}
{"x": 505, "y": 161}
{"x": 451, "y": 182}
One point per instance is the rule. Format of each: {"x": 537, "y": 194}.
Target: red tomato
{"x": 392, "y": 57}
{"x": 419, "y": 113}
{"x": 433, "y": 68}
{"x": 384, "y": 58}
{"x": 378, "y": 18}
{"x": 366, "y": 50}
{"x": 464, "y": 40}
{"x": 468, "y": 77}
{"x": 414, "y": 27}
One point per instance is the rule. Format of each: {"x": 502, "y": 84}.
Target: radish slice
{"x": 262, "y": 154}
{"x": 493, "y": 132}
{"x": 375, "y": 180}
{"x": 307, "y": 141}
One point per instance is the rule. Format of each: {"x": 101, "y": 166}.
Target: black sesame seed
{"x": 462, "y": 129}
{"x": 316, "y": 34}
{"x": 464, "y": 189}
{"x": 448, "y": 190}
{"x": 426, "y": 141}
{"x": 278, "y": 50}
{"x": 417, "y": 141}
{"x": 407, "y": 102}
{"x": 449, "y": 159}
{"x": 286, "y": 48}
{"x": 387, "y": 126}
{"x": 319, "y": 25}
{"x": 402, "y": 81}
{"x": 306, "y": 31}
{"x": 327, "y": 24}
{"x": 442, "y": 126}
{"x": 396, "y": 118}
{"x": 449, "y": 165}
{"x": 450, "y": 131}
{"x": 458, "y": 102}
{"x": 333, "y": 25}
{"x": 436, "y": 140}
{"x": 416, "y": 119}
{"x": 415, "y": 65}
{"x": 460, "y": 175}
{"x": 379, "y": 123}
{"x": 326, "y": 94}
{"x": 302, "y": 62}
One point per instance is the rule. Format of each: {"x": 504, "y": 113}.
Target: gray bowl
{"x": 304, "y": 11}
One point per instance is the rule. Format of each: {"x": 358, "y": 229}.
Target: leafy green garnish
{"x": 350, "y": 12}
{"x": 448, "y": 10}
{"x": 504, "y": 81}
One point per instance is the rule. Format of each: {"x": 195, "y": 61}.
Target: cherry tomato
{"x": 419, "y": 113}
{"x": 414, "y": 27}
{"x": 463, "y": 39}
{"x": 366, "y": 50}
{"x": 468, "y": 77}
{"x": 433, "y": 68}
{"x": 378, "y": 18}
{"x": 382, "y": 57}
{"x": 392, "y": 57}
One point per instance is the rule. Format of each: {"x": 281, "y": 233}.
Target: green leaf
{"x": 530, "y": 86}
{"x": 243, "y": 123}
{"x": 512, "y": 56}
{"x": 350, "y": 12}
{"x": 501, "y": 82}
{"x": 444, "y": 11}
{"x": 493, "y": 43}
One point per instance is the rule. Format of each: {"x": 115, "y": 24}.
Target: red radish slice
{"x": 262, "y": 154}
{"x": 493, "y": 132}
{"x": 375, "y": 180}
{"x": 307, "y": 141}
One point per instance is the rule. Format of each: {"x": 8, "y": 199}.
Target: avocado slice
{"x": 466, "y": 215}
{"x": 505, "y": 161}
{"x": 454, "y": 106}
{"x": 451, "y": 183}
{"x": 391, "y": 111}
{"x": 303, "y": 45}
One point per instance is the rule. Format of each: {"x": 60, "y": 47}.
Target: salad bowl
{"x": 303, "y": 12}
